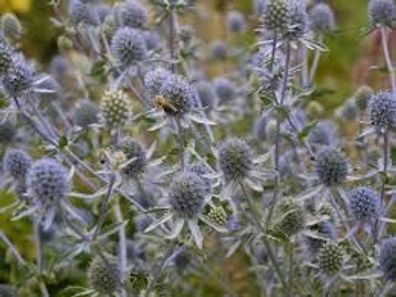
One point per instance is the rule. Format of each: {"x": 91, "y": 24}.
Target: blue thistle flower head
{"x": 364, "y": 204}
{"x": 8, "y": 132}
{"x": 152, "y": 39}
{"x": 102, "y": 10}
{"x": 59, "y": 66}
{"x": 131, "y": 14}
{"x": 86, "y": 113}
{"x": 298, "y": 19}
{"x": 322, "y": 18}
{"x": 179, "y": 95}
{"x": 349, "y": 110}
{"x": 218, "y": 50}
{"x": 128, "y": 47}
{"x": 182, "y": 258}
{"x": 259, "y": 7}
{"x": 104, "y": 275}
{"x": 82, "y": 13}
{"x": 331, "y": 167}
{"x": 381, "y": 12}
{"x": 323, "y": 134}
{"x": 154, "y": 79}
{"x": 207, "y": 94}
{"x": 236, "y": 22}
{"x": 225, "y": 89}
{"x": 133, "y": 150}
{"x": 47, "y": 181}
{"x": 201, "y": 170}
{"x": 386, "y": 258}
{"x": 19, "y": 78}
{"x": 187, "y": 195}
{"x": 17, "y": 163}
{"x": 382, "y": 111}
{"x": 235, "y": 159}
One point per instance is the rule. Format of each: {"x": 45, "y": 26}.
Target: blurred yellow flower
{"x": 21, "y": 6}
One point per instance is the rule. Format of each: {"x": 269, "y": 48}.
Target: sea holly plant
{"x": 146, "y": 160}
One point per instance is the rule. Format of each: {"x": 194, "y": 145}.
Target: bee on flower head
{"x": 111, "y": 158}
{"x": 164, "y": 104}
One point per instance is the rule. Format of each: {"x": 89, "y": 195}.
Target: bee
{"x": 112, "y": 157}
{"x": 103, "y": 155}
{"x": 163, "y": 103}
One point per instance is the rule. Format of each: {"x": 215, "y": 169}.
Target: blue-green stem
{"x": 122, "y": 244}
{"x": 388, "y": 59}
{"x": 257, "y": 221}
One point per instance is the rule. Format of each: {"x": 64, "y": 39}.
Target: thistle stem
{"x": 180, "y": 139}
{"x": 104, "y": 207}
{"x": 39, "y": 245}
{"x": 315, "y": 62}
{"x": 271, "y": 255}
{"x": 273, "y": 52}
{"x": 122, "y": 244}
{"x": 388, "y": 59}
{"x": 172, "y": 38}
{"x": 379, "y": 226}
{"x": 158, "y": 269}
{"x": 286, "y": 75}
{"x": 385, "y": 165}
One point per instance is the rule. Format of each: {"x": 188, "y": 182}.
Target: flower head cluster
{"x": 235, "y": 22}
{"x": 187, "y": 195}
{"x": 128, "y": 47}
{"x": 382, "y": 110}
{"x": 115, "y": 108}
{"x": 154, "y": 79}
{"x": 7, "y": 132}
{"x": 322, "y": 18}
{"x": 47, "y": 181}
{"x": 131, "y": 14}
{"x": 176, "y": 96}
{"x": 322, "y": 135}
{"x": 86, "y": 114}
{"x": 330, "y": 259}
{"x": 364, "y": 204}
{"x": 381, "y": 12}
{"x": 291, "y": 219}
{"x": 298, "y": 26}
{"x": 206, "y": 93}
{"x": 104, "y": 275}
{"x": 331, "y": 167}
{"x": 19, "y": 78}
{"x": 276, "y": 15}
{"x": 136, "y": 158}
{"x": 82, "y": 13}
{"x": 387, "y": 258}
{"x": 235, "y": 159}
{"x": 17, "y": 163}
